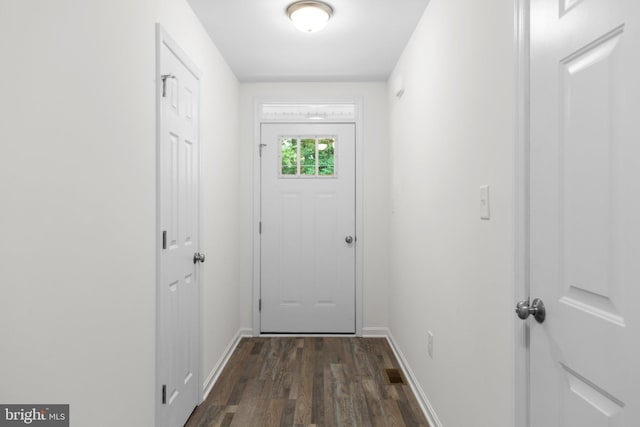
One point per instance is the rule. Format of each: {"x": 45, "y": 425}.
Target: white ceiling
{"x": 362, "y": 42}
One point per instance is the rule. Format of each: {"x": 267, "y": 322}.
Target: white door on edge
{"x": 308, "y": 224}
{"x": 179, "y": 199}
{"x": 585, "y": 212}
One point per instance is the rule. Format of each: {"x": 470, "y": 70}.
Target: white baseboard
{"x": 375, "y": 332}
{"x": 424, "y": 403}
{"x": 217, "y": 369}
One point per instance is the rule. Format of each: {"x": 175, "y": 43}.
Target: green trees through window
{"x": 289, "y": 156}
{"x": 307, "y": 156}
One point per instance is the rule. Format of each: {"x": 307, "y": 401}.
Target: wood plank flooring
{"x": 310, "y": 381}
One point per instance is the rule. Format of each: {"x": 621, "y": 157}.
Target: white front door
{"x": 585, "y": 212}
{"x": 308, "y": 227}
{"x": 178, "y": 287}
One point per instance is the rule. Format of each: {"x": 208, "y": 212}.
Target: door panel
{"x": 584, "y": 175}
{"x": 307, "y": 268}
{"x": 179, "y": 292}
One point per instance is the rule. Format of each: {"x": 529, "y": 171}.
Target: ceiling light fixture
{"x": 309, "y": 16}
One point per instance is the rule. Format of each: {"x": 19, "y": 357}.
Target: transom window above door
{"x": 294, "y": 112}
{"x": 307, "y": 156}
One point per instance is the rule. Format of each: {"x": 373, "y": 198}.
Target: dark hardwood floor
{"x": 311, "y": 381}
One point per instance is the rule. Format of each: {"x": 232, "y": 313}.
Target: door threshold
{"x": 307, "y": 334}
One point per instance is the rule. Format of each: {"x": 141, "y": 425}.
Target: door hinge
{"x": 164, "y": 78}
{"x": 260, "y": 227}
{"x": 260, "y": 304}
{"x": 261, "y": 146}
{"x": 164, "y": 239}
{"x": 164, "y": 394}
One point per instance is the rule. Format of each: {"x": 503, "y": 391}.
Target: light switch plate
{"x": 484, "y": 202}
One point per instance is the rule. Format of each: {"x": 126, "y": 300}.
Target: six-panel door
{"x": 179, "y": 196}
{"x": 585, "y": 192}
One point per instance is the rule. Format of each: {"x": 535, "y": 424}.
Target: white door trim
{"x": 521, "y": 403}
{"x": 258, "y": 102}
{"x": 164, "y": 39}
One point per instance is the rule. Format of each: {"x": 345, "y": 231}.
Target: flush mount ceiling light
{"x": 309, "y": 16}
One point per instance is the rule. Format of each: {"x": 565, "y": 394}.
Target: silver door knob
{"x": 535, "y": 309}
{"x": 198, "y": 257}
{"x": 349, "y": 239}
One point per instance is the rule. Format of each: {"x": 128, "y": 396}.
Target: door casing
{"x": 258, "y": 120}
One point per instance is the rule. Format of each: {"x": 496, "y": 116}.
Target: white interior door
{"x": 585, "y": 212}
{"x": 178, "y": 292}
{"x": 308, "y": 224}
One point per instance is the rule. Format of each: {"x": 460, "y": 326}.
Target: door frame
{"x": 164, "y": 39}
{"x": 521, "y": 386}
{"x": 258, "y": 120}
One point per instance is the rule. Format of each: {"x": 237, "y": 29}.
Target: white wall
{"x": 375, "y": 192}
{"x": 77, "y": 186}
{"x": 451, "y": 272}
